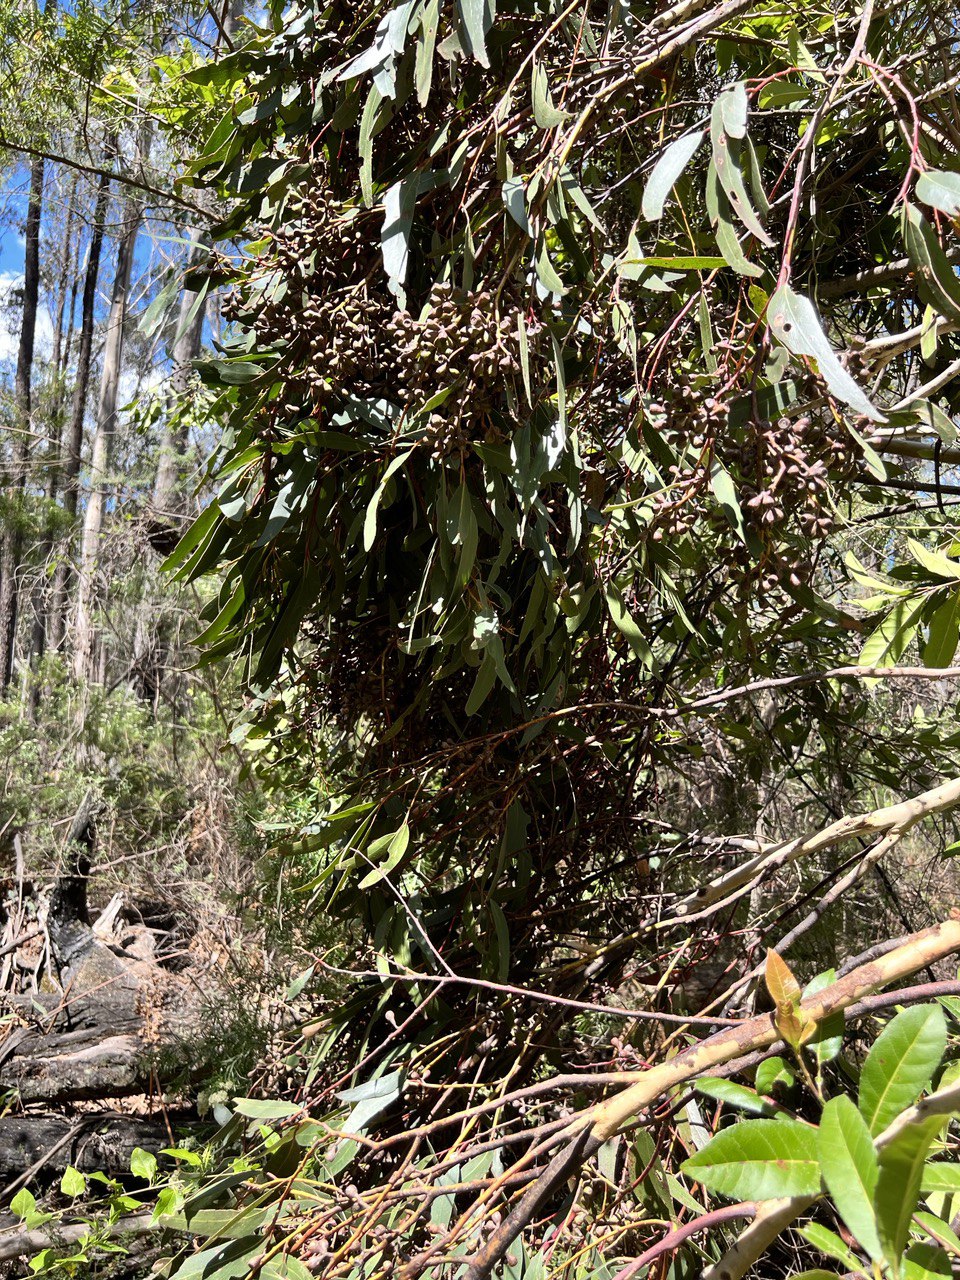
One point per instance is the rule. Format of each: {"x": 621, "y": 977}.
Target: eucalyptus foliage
{"x": 572, "y": 348}
{"x": 544, "y": 395}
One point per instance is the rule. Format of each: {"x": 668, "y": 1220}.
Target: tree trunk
{"x": 74, "y": 432}
{"x": 167, "y": 499}
{"x": 59, "y": 360}
{"x": 84, "y": 653}
{"x": 13, "y": 539}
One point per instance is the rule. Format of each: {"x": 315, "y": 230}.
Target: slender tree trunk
{"x": 167, "y": 498}
{"x": 84, "y": 663}
{"x": 68, "y": 275}
{"x": 74, "y": 432}
{"x": 63, "y": 321}
{"x": 13, "y": 540}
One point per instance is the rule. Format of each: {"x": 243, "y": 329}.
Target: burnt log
{"x": 116, "y": 1024}
{"x": 104, "y": 1141}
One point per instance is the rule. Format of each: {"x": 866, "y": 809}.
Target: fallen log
{"x": 118, "y": 1023}
{"x": 18, "y": 1242}
{"x": 103, "y": 1140}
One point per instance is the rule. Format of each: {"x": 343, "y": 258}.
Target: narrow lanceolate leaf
{"x": 726, "y": 158}
{"x": 625, "y": 623}
{"x": 398, "y": 206}
{"x": 759, "y": 1160}
{"x": 938, "y": 284}
{"x": 829, "y": 1244}
{"x": 901, "y": 1063}
{"x": 545, "y": 113}
{"x": 794, "y": 321}
{"x": 943, "y": 633}
{"x": 476, "y": 17}
{"x": 898, "y": 1185}
{"x": 666, "y": 172}
{"x": 848, "y": 1164}
{"x": 373, "y": 506}
{"x": 940, "y": 190}
{"x": 732, "y": 107}
{"x": 886, "y": 646}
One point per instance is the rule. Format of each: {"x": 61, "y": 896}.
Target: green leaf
{"x": 23, "y": 1202}
{"x": 926, "y": 1262}
{"x": 938, "y": 1230}
{"x": 143, "y": 1164}
{"x": 935, "y": 420}
{"x": 935, "y": 562}
{"x": 370, "y": 520}
{"x": 73, "y": 1183}
{"x": 515, "y": 202}
{"x": 938, "y": 282}
{"x": 830, "y": 1245}
{"x": 395, "y": 847}
{"x": 502, "y": 938}
{"x": 901, "y": 1063}
{"x": 944, "y": 632}
{"x": 546, "y": 273}
{"x": 772, "y": 1072}
{"x": 734, "y": 1095}
{"x": 726, "y": 159}
{"x": 727, "y": 240}
{"x": 940, "y": 1176}
{"x": 940, "y": 190}
{"x": 398, "y": 206}
{"x": 759, "y": 1160}
{"x": 476, "y": 17}
{"x": 794, "y": 321}
{"x": 369, "y": 1101}
{"x": 232, "y": 373}
{"x": 848, "y": 1164}
{"x": 484, "y": 682}
{"x": 898, "y": 1184}
{"x": 827, "y": 1041}
{"x": 625, "y": 624}
{"x": 665, "y": 173}
{"x": 886, "y": 645}
{"x": 266, "y": 1108}
{"x": 732, "y": 107}
{"x": 545, "y": 113}
{"x": 286, "y": 1267}
{"x": 426, "y": 45}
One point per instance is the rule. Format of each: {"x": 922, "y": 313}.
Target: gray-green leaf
{"x": 666, "y": 172}
{"x": 940, "y": 190}
{"x": 794, "y": 321}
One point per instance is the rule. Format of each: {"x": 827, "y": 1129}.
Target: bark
{"x": 19, "y": 1242}
{"x": 84, "y": 664}
{"x": 62, "y": 325}
{"x": 46, "y": 1144}
{"x": 167, "y": 499}
{"x": 12, "y": 547}
{"x": 74, "y": 432}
